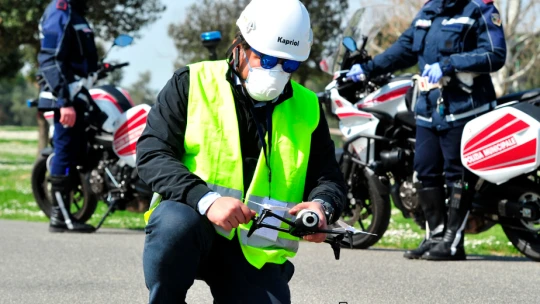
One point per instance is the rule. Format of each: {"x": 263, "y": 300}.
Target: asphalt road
{"x": 105, "y": 267}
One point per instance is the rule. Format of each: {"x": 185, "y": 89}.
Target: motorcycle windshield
{"x": 367, "y": 21}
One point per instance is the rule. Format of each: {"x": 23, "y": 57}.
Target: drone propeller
{"x": 346, "y": 227}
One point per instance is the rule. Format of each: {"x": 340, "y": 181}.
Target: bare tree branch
{"x": 523, "y": 71}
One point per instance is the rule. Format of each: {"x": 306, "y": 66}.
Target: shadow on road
{"x": 471, "y": 257}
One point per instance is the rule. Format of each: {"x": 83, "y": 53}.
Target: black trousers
{"x": 181, "y": 246}
{"x": 438, "y": 152}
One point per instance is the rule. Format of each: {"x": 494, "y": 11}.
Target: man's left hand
{"x": 433, "y": 72}
{"x": 317, "y": 207}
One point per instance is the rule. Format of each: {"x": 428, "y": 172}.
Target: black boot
{"x": 432, "y": 202}
{"x": 451, "y": 247}
{"x": 61, "y": 219}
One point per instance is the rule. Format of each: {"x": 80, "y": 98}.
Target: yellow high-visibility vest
{"x": 212, "y": 145}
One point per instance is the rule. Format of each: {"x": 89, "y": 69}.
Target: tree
{"x": 140, "y": 90}
{"x": 522, "y": 32}
{"x": 207, "y": 15}
{"x": 221, "y": 15}
{"x": 13, "y": 94}
{"x": 19, "y": 37}
{"x": 19, "y": 23}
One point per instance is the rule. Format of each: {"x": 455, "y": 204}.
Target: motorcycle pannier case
{"x": 503, "y": 143}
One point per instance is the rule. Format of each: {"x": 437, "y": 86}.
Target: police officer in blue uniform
{"x": 463, "y": 41}
{"x": 68, "y": 53}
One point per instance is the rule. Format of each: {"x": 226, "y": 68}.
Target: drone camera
{"x": 307, "y": 218}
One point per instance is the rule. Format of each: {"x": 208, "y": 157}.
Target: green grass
{"x": 17, "y": 203}
{"x": 16, "y": 199}
{"x": 18, "y": 128}
{"x": 404, "y": 233}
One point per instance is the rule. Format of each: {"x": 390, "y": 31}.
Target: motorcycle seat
{"x": 529, "y": 96}
{"x": 406, "y": 118}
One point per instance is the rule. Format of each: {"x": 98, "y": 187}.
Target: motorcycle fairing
{"x": 130, "y": 127}
{"x": 108, "y": 104}
{"x": 353, "y": 122}
{"x": 503, "y": 143}
{"x": 389, "y": 98}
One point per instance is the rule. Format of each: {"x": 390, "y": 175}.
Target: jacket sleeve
{"x": 324, "y": 178}
{"x": 490, "y": 54}
{"x": 53, "y": 55}
{"x": 398, "y": 56}
{"x": 161, "y": 146}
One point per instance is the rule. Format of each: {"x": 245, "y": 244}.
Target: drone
{"x": 306, "y": 223}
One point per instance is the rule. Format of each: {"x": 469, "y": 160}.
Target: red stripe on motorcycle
{"x": 108, "y": 97}
{"x": 345, "y": 115}
{"x": 511, "y": 164}
{"x": 129, "y": 150}
{"x": 133, "y": 135}
{"x": 526, "y": 150}
{"x": 514, "y": 128}
{"x": 488, "y": 132}
{"x": 132, "y": 122}
{"x": 385, "y": 97}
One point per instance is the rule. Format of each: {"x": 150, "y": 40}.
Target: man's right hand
{"x": 356, "y": 73}
{"x": 68, "y": 116}
{"x": 229, "y": 213}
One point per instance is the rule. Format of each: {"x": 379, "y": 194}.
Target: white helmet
{"x": 279, "y": 28}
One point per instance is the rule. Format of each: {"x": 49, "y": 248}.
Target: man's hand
{"x": 68, "y": 116}
{"x": 317, "y": 207}
{"x": 433, "y": 72}
{"x": 229, "y": 213}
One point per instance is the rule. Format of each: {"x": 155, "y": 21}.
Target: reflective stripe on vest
{"x": 156, "y": 199}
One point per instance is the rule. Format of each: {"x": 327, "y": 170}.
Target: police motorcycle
{"x": 108, "y": 173}
{"x": 501, "y": 147}
{"x": 378, "y": 126}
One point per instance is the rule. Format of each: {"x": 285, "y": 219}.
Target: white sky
{"x": 154, "y": 51}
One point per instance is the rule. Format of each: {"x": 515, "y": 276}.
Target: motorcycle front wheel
{"x": 83, "y": 201}
{"x": 370, "y": 212}
{"x": 524, "y": 235}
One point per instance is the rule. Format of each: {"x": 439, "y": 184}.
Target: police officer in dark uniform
{"x": 462, "y": 41}
{"x": 68, "y": 53}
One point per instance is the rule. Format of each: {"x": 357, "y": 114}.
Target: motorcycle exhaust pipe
{"x": 396, "y": 197}
{"x": 529, "y": 211}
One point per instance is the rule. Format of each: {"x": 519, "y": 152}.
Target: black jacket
{"x": 161, "y": 147}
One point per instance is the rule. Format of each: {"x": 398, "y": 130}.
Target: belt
{"x": 455, "y": 117}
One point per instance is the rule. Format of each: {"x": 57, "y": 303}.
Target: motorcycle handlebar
{"x": 106, "y": 68}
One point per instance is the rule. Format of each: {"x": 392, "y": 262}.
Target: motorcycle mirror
{"x": 123, "y": 40}
{"x": 350, "y": 44}
{"x": 210, "y": 40}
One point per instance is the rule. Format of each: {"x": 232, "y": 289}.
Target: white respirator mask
{"x": 265, "y": 84}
